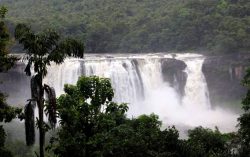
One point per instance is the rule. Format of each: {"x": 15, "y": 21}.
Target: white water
{"x": 196, "y": 90}
{"x": 137, "y": 80}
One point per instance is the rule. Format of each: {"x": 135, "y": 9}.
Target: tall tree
{"x": 7, "y": 113}
{"x": 41, "y": 50}
{"x": 244, "y": 120}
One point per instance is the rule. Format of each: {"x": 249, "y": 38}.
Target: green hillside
{"x": 141, "y": 25}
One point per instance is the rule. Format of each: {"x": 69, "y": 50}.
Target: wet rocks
{"x": 224, "y": 74}
{"x": 173, "y": 73}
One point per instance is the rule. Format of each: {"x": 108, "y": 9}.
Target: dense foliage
{"x": 91, "y": 125}
{"x": 244, "y": 120}
{"x": 7, "y": 113}
{"x": 206, "y": 142}
{"x": 142, "y": 25}
{"x": 6, "y": 61}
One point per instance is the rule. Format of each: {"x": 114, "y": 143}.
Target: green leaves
{"x": 99, "y": 90}
{"x": 136, "y": 26}
{"x": 246, "y": 99}
{"x": 7, "y": 113}
{"x": 51, "y": 106}
{"x": 45, "y": 47}
{"x": 21, "y": 31}
{"x": 206, "y": 142}
{"x": 3, "y": 11}
{"x": 92, "y": 125}
{"x": 72, "y": 47}
{"x": 87, "y": 115}
{"x": 6, "y": 61}
{"x": 244, "y": 119}
{"x": 41, "y": 49}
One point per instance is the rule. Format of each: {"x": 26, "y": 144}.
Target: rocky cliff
{"x": 173, "y": 73}
{"x": 224, "y": 74}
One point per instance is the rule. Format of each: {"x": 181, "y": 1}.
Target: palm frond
{"x": 51, "y": 105}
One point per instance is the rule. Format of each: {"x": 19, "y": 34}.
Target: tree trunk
{"x": 41, "y": 129}
{"x": 40, "y": 104}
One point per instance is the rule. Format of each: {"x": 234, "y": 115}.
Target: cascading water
{"x": 58, "y": 75}
{"x": 139, "y": 81}
{"x": 123, "y": 75}
{"x": 196, "y": 90}
{"x": 132, "y": 78}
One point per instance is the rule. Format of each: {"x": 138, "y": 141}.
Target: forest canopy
{"x": 142, "y": 25}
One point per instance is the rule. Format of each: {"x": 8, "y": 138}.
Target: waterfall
{"x": 138, "y": 80}
{"x": 124, "y": 77}
{"x": 66, "y": 73}
{"x": 133, "y": 78}
{"x": 196, "y": 90}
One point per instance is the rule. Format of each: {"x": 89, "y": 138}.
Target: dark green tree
{"x": 41, "y": 50}
{"x": 244, "y": 119}
{"x": 143, "y": 137}
{"x": 87, "y": 115}
{"x": 7, "y": 113}
{"x": 143, "y": 25}
{"x": 206, "y": 143}
{"x": 6, "y": 61}
{"x": 92, "y": 125}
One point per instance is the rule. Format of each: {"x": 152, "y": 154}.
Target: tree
{"x": 92, "y": 125}
{"x": 87, "y": 115}
{"x": 41, "y": 50}
{"x": 143, "y": 25}
{"x": 206, "y": 143}
{"x": 142, "y": 137}
{"x": 7, "y": 113}
{"x": 6, "y": 61}
{"x": 244, "y": 119}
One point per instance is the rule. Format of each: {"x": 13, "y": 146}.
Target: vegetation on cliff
{"x": 142, "y": 25}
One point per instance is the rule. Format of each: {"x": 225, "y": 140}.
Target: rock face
{"x": 173, "y": 73}
{"x": 224, "y": 74}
